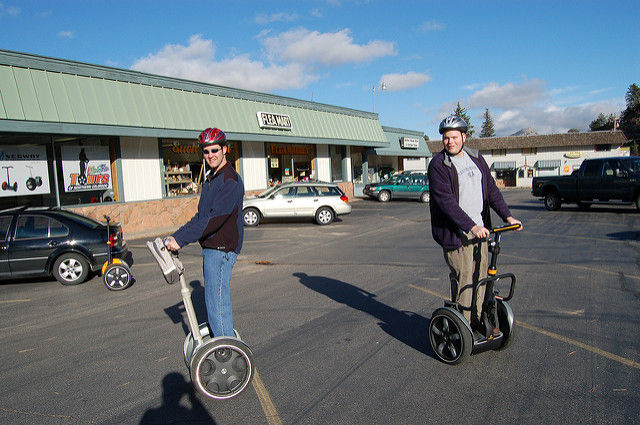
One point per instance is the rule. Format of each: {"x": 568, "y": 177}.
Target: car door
{"x": 5, "y": 225}
{"x": 615, "y": 180}
{"x": 401, "y": 187}
{"x": 416, "y": 182}
{"x": 30, "y": 247}
{"x": 590, "y": 181}
{"x": 306, "y": 201}
{"x": 280, "y": 203}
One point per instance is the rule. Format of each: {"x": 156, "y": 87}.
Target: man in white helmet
{"x": 462, "y": 191}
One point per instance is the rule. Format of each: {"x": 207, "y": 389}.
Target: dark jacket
{"x": 218, "y": 222}
{"x": 447, "y": 218}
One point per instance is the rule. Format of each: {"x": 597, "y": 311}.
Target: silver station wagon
{"x": 322, "y": 201}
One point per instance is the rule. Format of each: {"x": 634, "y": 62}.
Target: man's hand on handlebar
{"x": 171, "y": 244}
{"x": 480, "y": 232}
{"x": 512, "y": 220}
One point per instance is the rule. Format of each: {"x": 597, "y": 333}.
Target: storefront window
{"x": 357, "y": 154}
{"x": 335, "y": 153}
{"x": 184, "y": 167}
{"x": 289, "y": 163}
{"x": 84, "y": 166}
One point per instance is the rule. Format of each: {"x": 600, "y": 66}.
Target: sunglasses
{"x": 208, "y": 151}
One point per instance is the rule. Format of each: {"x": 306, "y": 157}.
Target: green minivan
{"x": 413, "y": 186}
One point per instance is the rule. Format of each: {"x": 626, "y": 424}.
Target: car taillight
{"x": 344, "y": 198}
{"x": 113, "y": 239}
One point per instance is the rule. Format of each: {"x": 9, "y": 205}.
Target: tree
{"x": 603, "y": 122}
{"x": 573, "y": 130}
{"x": 462, "y": 113}
{"x": 630, "y": 118}
{"x": 487, "y": 125}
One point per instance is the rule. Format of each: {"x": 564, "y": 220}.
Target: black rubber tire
{"x": 222, "y": 368}
{"x": 425, "y": 197}
{"x": 324, "y": 216}
{"x": 384, "y": 196}
{"x": 450, "y": 338}
{"x": 117, "y": 277}
{"x": 552, "y": 200}
{"x": 508, "y": 333}
{"x": 31, "y": 183}
{"x": 251, "y": 217}
{"x": 638, "y": 201}
{"x": 70, "y": 268}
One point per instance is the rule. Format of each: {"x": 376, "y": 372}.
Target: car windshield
{"x": 268, "y": 192}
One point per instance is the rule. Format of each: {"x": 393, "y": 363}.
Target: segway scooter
{"x": 220, "y": 367}
{"x": 451, "y": 336}
{"x": 116, "y": 273}
{"x": 7, "y": 185}
{"x": 33, "y": 182}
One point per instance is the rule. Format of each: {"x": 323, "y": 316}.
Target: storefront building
{"x": 516, "y": 160}
{"x": 84, "y": 136}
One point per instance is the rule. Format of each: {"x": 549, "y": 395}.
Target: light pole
{"x": 383, "y": 86}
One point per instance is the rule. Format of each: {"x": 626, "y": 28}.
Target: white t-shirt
{"x": 469, "y": 187}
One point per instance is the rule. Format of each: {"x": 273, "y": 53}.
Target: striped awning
{"x": 504, "y": 165}
{"x": 548, "y": 163}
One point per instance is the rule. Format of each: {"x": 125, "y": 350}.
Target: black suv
{"x": 45, "y": 241}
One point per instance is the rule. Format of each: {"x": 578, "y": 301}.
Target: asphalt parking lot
{"x": 336, "y": 317}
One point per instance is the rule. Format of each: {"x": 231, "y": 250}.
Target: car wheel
{"x": 552, "y": 201}
{"x": 638, "y": 201}
{"x": 251, "y": 217}
{"x": 384, "y": 196}
{"x": 71, "y": 269}
{"x": 324, "y": 216}
{"x": 424, "y": 197}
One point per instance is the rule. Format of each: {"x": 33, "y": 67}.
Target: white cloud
{"x": 514, "y": 106}
{"x": 65, "y": 34}
{"x": 329, "y": 49}
{"x": 196, "y": 61}
{"x": 317, "y": 12}
{"x": 263, "y": 18}
{"x": 432, "y": 26}
{"x": 9, "y": 10}
{"x": 398, "y": 82}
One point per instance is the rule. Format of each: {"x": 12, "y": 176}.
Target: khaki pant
{"x": 468, "y": 264}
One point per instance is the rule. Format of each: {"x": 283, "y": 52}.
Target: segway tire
{"x": 450, "y": 337}
{"x": 505, "y": 318}
{"x": 117, "y": 277}
{"x": 222, "y": 368}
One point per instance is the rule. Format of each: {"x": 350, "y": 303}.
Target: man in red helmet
{"x": 218, "y": 227}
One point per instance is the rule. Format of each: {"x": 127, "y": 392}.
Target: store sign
{"x": 276, "y": 121}
{"x": 410, "y": 142}
{"x": 289, "y": 150}
{"x": 573, "y": 155}
{"x": 184, "y": 149}
{"x": 23, "y": 171}
{"x": 85, "y": 168}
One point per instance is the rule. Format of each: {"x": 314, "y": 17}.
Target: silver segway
{"x": 220, "y": 367}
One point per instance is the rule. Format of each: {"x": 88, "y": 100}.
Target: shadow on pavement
{"x": 174, "y": 388}
{"x": 177, "y": 312}
{"x": 407, "y": 327}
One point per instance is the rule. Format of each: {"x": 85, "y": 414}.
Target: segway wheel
{"x": 450, "y": 337}
{"x": 505, "y": 318}
{"x": 222, "y": 367}
{"x": 117, "y": 277}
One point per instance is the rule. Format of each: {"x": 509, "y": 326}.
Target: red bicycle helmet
{"x": 212, "y": 136}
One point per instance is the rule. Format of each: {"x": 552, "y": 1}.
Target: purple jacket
{"x": 447, "y": 218}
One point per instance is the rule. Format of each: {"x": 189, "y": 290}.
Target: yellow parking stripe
{"x": 15, "y": 301}
{"x": 269, "y": 409}
{"x": 553, "y": 335}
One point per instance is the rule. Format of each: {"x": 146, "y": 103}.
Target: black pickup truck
{"x": 606, "y": 180}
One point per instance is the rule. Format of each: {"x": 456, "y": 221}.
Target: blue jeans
{"x": 217, "y": 267}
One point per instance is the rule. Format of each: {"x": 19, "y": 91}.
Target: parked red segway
{"x": 7, "y": 185}
{"x": 116, "y": 274}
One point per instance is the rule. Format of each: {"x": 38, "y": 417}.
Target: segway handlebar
{"x": 169, "y": 263}
{"x": 501, "y": 229}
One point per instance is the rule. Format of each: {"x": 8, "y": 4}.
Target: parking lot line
{"x": 269, "y": 409}
{"x": 595, "y": 350}
{"x": 15, "y": 301}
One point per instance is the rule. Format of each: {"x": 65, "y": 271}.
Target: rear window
{"x": 32, "y": 227}
{"x": 632, "y": 164}
{"x": 89, "y": 222}
{"x": 329, "y": 191}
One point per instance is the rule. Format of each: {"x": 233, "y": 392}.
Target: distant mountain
{"x": 525, "y": 132}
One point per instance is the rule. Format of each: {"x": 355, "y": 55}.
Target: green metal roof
{"x": 394, "y": 135}
{"x": 39, "y": 94}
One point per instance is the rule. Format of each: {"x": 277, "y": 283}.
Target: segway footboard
{"x": 170, "y": 264}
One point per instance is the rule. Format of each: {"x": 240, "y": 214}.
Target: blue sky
{"x": 548, "y": 65}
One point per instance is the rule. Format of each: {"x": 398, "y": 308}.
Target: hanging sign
{"x": 410, "y": 142}
{"x": 23, "y": 171}
{"x": 275, "y": 121}
{"x": 85, "y": 168}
